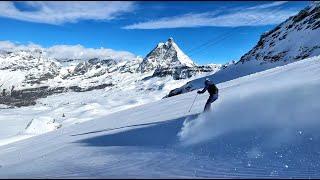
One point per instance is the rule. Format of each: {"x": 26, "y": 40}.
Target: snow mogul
{"x": 213, "y": 91}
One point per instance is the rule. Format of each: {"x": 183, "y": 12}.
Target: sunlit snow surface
{"x": 84, "y": 106}
{"x": 263, "y": 125}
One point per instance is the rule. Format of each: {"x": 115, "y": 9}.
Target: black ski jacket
{"x": 212, "y": 89}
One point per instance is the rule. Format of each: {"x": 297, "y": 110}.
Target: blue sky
{"x": 208, "y": 32}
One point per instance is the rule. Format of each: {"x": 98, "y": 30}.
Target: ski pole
{"x": 193, "y": 102}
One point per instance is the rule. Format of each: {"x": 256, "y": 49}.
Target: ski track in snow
{"x": 241, "y": 137}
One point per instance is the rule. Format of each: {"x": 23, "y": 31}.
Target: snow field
{"x": 263, "y": 125}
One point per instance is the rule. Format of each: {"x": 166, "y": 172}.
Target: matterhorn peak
{"x": 170, "y": 41}
{"x": 165, "y": 55}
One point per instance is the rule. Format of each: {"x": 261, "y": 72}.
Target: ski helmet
{"x": 207, "y": 81}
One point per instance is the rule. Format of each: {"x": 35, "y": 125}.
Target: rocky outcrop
{"x": 183, "y": 72}
{"x": 27, "y": 97}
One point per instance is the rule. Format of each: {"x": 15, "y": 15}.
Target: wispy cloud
{"x": 80, "y": 52}
{"x": 63, "y": 12}
{"x": 268, "y": 5}
{"x": 69, "y": 51}
{"x": 252, "y": 16}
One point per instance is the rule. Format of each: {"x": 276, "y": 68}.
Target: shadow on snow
{"x": 149, "y": 134}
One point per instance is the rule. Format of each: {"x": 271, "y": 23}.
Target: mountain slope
{"x": 241, "y": 137}
{"x": 290, "y": 41}
{"x": 294, "y": 39}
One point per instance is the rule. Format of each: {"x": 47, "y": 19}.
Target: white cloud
{"x": 8, "y": 45}
{"x": 80, "y": 52}
{"x": 69, "y": 51}
{"x": 255, "y": 16}
{"x": 277, "y": 3}
{"x": 51, "y": 12}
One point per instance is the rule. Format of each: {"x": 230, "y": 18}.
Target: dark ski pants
{"x": 210, "y": 100}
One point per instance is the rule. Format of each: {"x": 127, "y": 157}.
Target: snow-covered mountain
{"x": 38, "y": 72}
{"x": 295, "y": 39}
{"x": 165, "y": 55}
{"x": 168, "y": 59}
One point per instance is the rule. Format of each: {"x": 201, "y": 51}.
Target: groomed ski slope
{"x": 263, "y": 125}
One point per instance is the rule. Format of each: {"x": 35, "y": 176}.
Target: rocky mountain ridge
{"x": 36, "y": 75}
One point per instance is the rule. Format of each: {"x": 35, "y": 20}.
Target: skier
{"x": 213, "y": 91}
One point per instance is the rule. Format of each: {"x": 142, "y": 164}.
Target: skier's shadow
{"x": 153, "y": 134}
